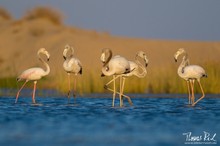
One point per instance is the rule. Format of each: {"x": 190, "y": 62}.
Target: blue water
{"x": 155, "y": 120}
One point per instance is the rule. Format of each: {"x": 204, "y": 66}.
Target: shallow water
{"x": 156, "y": 120}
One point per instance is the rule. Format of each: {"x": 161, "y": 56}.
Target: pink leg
{"x": 203, "y": 94}
{"x": 20, "y": 91}
{"x": 121, "y": 92}
{"x": 74, "y": 92}
{"x": 192, "y": 89}
{"x": 114, "y": 91}
{"x": 123, "y": 84}
{"x": 188, "y": 88}
{"x": 68, "y": 94}
{"x": 33, "y": 97}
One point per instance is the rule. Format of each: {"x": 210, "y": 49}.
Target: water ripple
{"x": 92, "y": 121}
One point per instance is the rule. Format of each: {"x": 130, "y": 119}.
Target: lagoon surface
{"x": 91, "y": 121}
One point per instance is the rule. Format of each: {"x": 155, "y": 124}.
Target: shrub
{"x": 5, "y": 14}
{"x": 45, "y": 12}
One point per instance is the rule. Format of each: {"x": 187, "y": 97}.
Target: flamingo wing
{"x": 31, "y": 74}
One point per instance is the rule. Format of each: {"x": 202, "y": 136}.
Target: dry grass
{"x": 160, "y": 80}
{"x": 4, "y": 14}
{"x": 45, "y": 12}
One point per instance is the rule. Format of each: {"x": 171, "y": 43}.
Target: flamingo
{"x": 190, "y": 73}
{"x": 34, "y": 74}
{"x": 115, "y": 66}
{"x": 137, "y": 68}
{"x": 134, "y": 66}
{"x": 71, "y": 65}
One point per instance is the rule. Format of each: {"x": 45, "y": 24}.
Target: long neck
{"x": 47, "y": 71}
{"x": 108, "y": 59}
{"x": 105, "y": 69}
{"x": 71, "y": 50}
{"x": 143, "y": 72}
{"x": 183, "y": 64}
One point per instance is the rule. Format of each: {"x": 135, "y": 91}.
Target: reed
{"x": 158, "y": 80}
{"x": 8, "y": 82}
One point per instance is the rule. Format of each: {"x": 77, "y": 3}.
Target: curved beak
{"x": 64, "y": 57}
{"x": 175, "y": 59}
{"x": 102, "y": 75}
{"x": 146, "y": 64}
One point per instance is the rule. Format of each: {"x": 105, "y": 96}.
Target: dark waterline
{"x": 92, "y": 121}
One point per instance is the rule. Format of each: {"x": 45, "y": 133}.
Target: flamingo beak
{"x": 102, "y": 75}
{"x": 64, "y": 57}
{"x": 175, "y": 59}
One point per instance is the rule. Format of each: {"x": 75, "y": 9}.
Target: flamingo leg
{"x": 130, "y": 102}
{"x": 74, "y": 90}
{"x": 114, "y": 88}
{"x": 68, "y": 94}
{"x": 33, "y": 97}
{"x": 20, "y": 91}
{"x": 123, "y": 84}
{"x": 203, "y": 94}
{"x": 192, "y": 89}
{"x": 121, "y": 92}
{"x": 114, "y": 91}
{"x": 114, "y": 78}
{"x": 188, "y": 88}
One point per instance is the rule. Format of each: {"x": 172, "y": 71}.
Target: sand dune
{"x": 20, "y": 40}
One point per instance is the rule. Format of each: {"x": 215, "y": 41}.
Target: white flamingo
{"x": 34, "y": 74}
{"x": 115, "y": 66}
{"x": 190, "y": 73}
{"x": 71, "y": 65}
{"x": 137, "y": 68}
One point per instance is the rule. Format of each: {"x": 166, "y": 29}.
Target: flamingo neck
{"x": 105, "y": 69}
{"x": 108, "y": 59}
{"x": 107, "y": 72}
{"x": 71, "y": 54}
{"x": 47, "y": 71}
{"x": 141, "y": 66}
{"x": 183, "y": 64}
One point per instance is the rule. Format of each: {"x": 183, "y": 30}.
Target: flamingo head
{"x": 106, "y": 53}
{"x": 142, "y": 55}
{"x": 179, "y": 52}
{"x": 66, "y": 49}
{"x": 45, "y": 52}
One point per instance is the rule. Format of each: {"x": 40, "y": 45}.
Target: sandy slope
{"x": 19, "y": 42}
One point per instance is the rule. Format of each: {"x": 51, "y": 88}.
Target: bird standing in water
{"x": 137, "y": 68}
{"x": 34, "y": 74}
{"x": 115, "y": 66}
{"x": 190, "y": 73}
{"x": 71, "y": 65}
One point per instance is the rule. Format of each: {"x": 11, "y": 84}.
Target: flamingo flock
{"x": 116, "y": 66}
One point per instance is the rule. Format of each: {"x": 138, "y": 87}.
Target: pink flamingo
{"x": 34, "y": 74}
